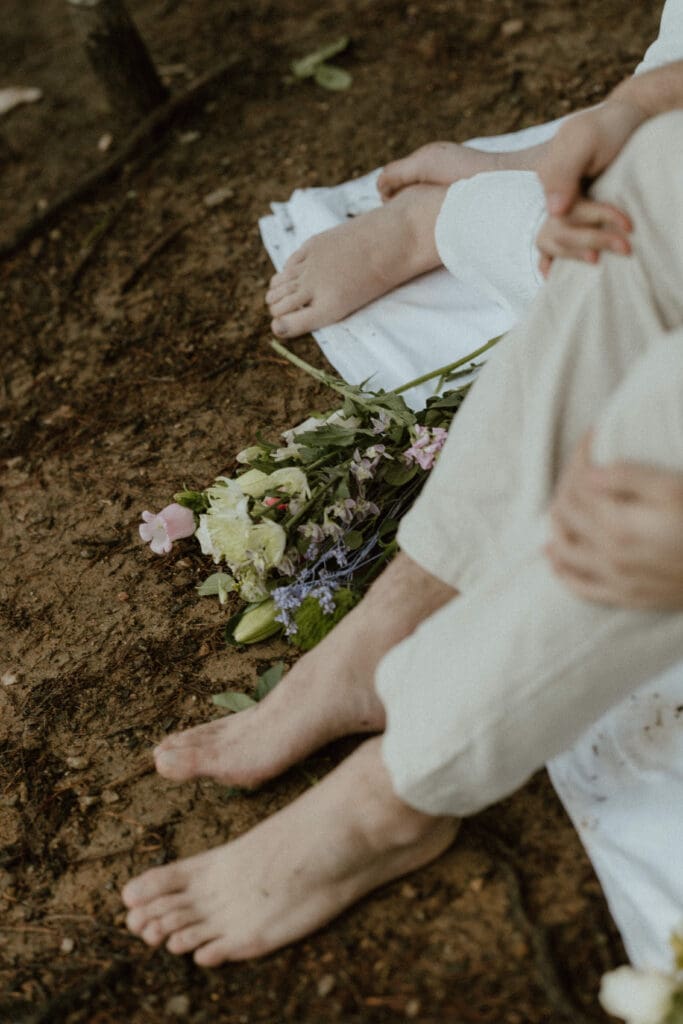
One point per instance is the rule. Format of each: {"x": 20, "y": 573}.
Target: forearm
{"x": 653, "y": 92}
{"x": 520, "y": 159}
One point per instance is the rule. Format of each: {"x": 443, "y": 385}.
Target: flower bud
{"x": 257, "y": 624}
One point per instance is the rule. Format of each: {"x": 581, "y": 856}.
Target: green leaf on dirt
{"x": 233, "y": 700}
{"x": 218, "y": 584}
{"x": 269, "y": 679}
{"x": 331, "y": 77}
{"x": 306, "y": 66}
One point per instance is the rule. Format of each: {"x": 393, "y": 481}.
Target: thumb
{"x": 563, "y": 169}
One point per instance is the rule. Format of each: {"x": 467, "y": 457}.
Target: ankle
{"x": 385, "y": 820}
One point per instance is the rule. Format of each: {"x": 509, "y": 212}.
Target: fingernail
{"x": 620, "y": 245}
{"x": 279, "y": 328}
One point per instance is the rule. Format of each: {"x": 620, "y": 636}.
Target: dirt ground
{"x": 123, "y": 377}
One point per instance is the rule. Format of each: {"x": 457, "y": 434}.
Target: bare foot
{"x": 340, "y": 270}
{"x": 328, "y": 693}
{"x": 437, "y": 163}
{"x": 290, "y": 874}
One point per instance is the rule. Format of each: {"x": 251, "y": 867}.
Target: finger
{"x": 588, "y": 211}
{"x": 569, "y": 239}
{"x": 564, "y": 167}
{"x": 544, "y": 264}
{"x": 628, "y": 481}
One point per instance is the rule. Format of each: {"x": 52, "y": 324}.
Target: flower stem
{"x": 332, "y": 382}
{"x": 445, "y": 371}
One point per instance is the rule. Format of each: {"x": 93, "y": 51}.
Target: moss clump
{"x": 312, "y": 623}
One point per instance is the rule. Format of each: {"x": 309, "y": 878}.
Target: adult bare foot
{"x": 328, "y": 693}
{"x": 340, "y": 270}
{"x": 292, "y": 873}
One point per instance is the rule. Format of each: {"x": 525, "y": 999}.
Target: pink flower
{"x": 160, "y": 529}
{"x": 426, "y": 446}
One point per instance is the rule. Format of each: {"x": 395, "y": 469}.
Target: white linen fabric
{"x": 622, "y": 781}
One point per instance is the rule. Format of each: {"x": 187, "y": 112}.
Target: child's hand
{"x": 582, "y": 234}
{"x": 437, "y": 163}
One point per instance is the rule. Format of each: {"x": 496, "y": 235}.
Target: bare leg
{"x": 338, "y": 271}
{"x": 293, "y": 872}
{"x": 327, "y": 694}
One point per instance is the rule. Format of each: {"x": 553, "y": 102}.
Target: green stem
{"x": 312, "y": 500}
{"x": 339, "y": 386}
{"x": 444, "y": 371}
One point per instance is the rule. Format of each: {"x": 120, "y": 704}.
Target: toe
{"x": 279, "y": 291}
{"x": 152, "y": 884}
{"x": 289, "y": 303}
{"x": 293, "y": 325}
{"x": 139, "y": 917}
{"x": 214, "y": 953}
{"x": 153, "y": 933}
{"x": 187, "y": 939}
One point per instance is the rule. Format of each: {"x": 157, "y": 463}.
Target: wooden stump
{"x": 119, "y": 58}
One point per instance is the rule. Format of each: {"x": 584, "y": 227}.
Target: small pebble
{"x": 412, "y": 1008}
{"x": 187, "y": 138}
{"x": 104, "y": 142}
{"x": 512, "y": 27}
{"x": 67, "y": 945}
{"x": 122, "y": 596}
{"x": 109, "y": 796}
{"x": 36, "y": 247}
{"x": 326, "y": 984}
{"x": 218, "y": 196}
{"x": 178, "y": 1006}
{"x": 77, "y": 763}
{"x": 87, "y": 801}
{"x": 9, "y": 678}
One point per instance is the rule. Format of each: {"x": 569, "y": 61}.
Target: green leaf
{"x": 306, "y": 66}
{"x": 218, "y": 584}
{"x": 269, "y": 679}
{"x": 233, "y": 700}
{"x": 398, "y": 475}
{"x": 196, "y": 500}
{"x": 331, "y": 77}
{"x": 353, "y": 539}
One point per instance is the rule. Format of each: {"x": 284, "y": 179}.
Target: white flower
{"x": 224, "y": 534}
{"x": 638, "y": 997}
{"x": 290, "y": 481}
{"x": 254, "y": 483}
{"x": 248, "y": 455}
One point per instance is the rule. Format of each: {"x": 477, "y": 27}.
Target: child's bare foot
{"x": 437, "y": 163}
{"x": 290, "y": 874}
{"x": 328, "y": 693}
{"x": 338, "y": 271}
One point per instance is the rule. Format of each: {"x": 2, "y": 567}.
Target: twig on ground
{"x": 154, "y": 250}
{"x": 91, "y": 246}
{"x": 149, "y": 132}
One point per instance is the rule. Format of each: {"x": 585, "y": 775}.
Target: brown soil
{"x": 113, "y": 398}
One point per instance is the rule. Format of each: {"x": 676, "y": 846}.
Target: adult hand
{"x": 617, "y": 533}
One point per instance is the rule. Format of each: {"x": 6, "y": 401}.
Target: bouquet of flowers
{"x": 646, "y": 997}
{"x": 305, "y": 526}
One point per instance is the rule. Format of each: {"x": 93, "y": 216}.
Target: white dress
{"x": 622, "y": 782}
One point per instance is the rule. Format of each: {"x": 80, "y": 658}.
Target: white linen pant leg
{"x": 508, "y": 675}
